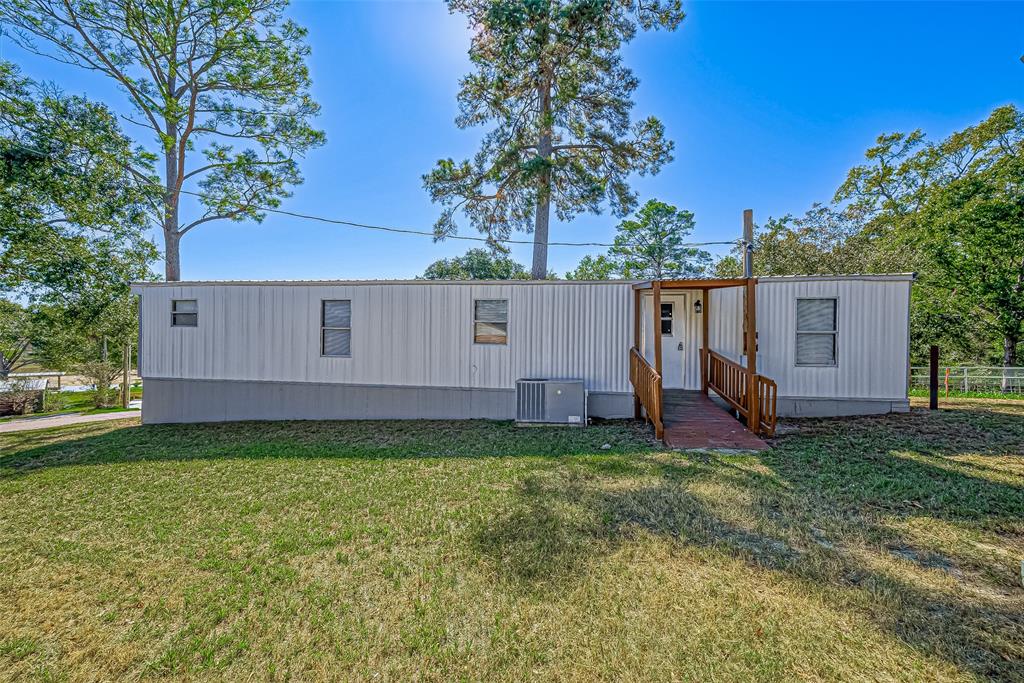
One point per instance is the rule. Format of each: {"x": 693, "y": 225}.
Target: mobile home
{"x": 823, "y": 345}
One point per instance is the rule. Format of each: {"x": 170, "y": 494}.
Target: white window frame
{"x": 176, "y": 313}
{"x": 671, "y": 319}
{"x": 505, "y": 321}
{"x": 834, "y": 333}
{"x": 324, "y": 328}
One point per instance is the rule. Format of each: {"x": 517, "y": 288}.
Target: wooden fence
{"x": 972, "y": 378}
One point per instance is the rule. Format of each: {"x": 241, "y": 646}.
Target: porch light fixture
{"x": 698, "y": 307}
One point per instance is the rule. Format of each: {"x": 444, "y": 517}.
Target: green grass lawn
{"x": 883, "y": 548}
{"x": 998, "y": 395}
{"x": 77, "y": 402}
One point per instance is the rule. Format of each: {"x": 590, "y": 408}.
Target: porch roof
{"x": 711, "y": 283}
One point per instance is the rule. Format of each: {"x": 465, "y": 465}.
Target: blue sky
{"x": 769, "y": 105}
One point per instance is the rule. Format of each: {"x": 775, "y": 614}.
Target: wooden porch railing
{"x": 647, "y": 385}
{"x": 729, "y": 380}
{"x": 766, "y": 392}
{"x": 732, "y": 382}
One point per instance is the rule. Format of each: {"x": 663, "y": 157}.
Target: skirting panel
{"x": 611, "y": 406}
{"x": 190, "y": 400}
{"x": 839, "y": 407}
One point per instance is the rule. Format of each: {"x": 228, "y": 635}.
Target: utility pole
{"x": 748, "y": 243}
{"x": 750, "y": 321}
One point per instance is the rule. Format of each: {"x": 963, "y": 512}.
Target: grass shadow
{"x": 830, "y": 507}
{"x": 833, "y": 506}
{"x": 104, "y": 443}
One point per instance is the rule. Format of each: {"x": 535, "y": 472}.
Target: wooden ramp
{"x": 692, "y": 420}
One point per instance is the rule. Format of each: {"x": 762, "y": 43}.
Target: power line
{"x": 431, "y": 234}
{"x": 401, "y": 231}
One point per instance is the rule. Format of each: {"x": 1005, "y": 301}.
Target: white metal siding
{"x": 422, "y": 334}
{"x": 725, "y": 322}
{"x": 872, "y": 340}
{"x": 402, "y": 334}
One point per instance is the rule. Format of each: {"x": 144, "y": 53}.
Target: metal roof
{"x": 336, "y": 283}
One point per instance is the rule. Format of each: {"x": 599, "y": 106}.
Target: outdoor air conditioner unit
{"x": 551, "y": 401}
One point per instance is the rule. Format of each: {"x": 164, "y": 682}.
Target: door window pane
{"x": 666, "y": 318}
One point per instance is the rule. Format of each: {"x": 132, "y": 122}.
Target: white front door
{"x": 680, "y": 343}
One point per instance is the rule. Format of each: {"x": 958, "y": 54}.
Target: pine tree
{"x": 549, "y": 80}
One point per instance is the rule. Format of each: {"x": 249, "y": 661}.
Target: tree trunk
{"x": 125, "y": 366}
{"x": 543, "y": 215}
{"x": 172, "y": 259}
{"x": 1009, "y": 359}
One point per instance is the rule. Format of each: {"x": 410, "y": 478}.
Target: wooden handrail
{"x": 729, "y": 380}
{"x": 647, "y": 385}
{"x": 734, "y": 384}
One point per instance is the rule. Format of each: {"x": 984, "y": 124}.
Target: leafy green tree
{"x": 653, "y": 245}
{"x": 598, "y": 267}
{"x": 973, "y": 228}
{"x": 15, "y": 337}
{"x": 476, "y": 264}
{"x": 949, "y": 211}
{"x": 824, "y": 241}
{"x": 548, "y": 77}
{"x": 71, "y": 223}
{"x": 71, "y": 213}
{"x": 224, "y": 81}
{"x": 829, "y": 241}
{"x": 955, "y": 206}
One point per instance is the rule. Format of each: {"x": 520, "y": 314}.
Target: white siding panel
{"x": 871, "y": 343}
{"x": 725, "y": 322}
{"x": 402, "y": 334}
{"x": 422, "y": 335}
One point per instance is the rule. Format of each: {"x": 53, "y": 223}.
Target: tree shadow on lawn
{"x": 826, "y": 506}
{"x": 105, "y": 443}
{"x": 823, "y": 507}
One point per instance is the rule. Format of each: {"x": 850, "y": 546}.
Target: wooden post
{"x": 748, "y": 243}
{"x": 126, "y": 390}
{"x": 704, "y": 344}
{"x": 657, "y": 328}
{"x": 637, "y": 331}
{"x": 657, "y": 352}
{"x": 753, "y": 419}
{"x": 933, "y": 378}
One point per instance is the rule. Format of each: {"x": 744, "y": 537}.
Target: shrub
{"x": 21, "y": 397}
{"x": 54, "y": 401}
{"x": 101, "y": 374}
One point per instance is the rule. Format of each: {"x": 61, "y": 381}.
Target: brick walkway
{"x": 692, "y": 420}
